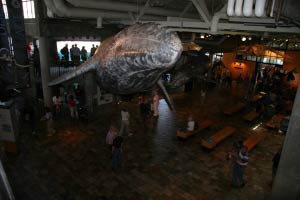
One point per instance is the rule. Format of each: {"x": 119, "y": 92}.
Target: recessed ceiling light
{"x": 244, "y": 38}
{"x": 202, "y": 36}
{"x": 249, "y": 38}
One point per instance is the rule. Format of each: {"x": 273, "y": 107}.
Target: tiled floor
{"x": 75, "y": 163}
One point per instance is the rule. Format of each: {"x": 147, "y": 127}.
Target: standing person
{"x": 57, "y": 103}
{"x": 83, "y": 54}
{"x": 36, "y": 60}
{"x": 145, "y": 110}
{"x": 93, "y": 50}
{"x": 48, "y": 117}
{"x": 125, "y": 122}
{"x": 111, "y": 135}
{"x": 116, "y": 151}
{"x": 191, "y": 123}
{"x": 155, "y": 104}
{"x": 65, "y": 52}
{"x": 73, "y": 107}
{"x": 76, "y": 53}
{"x": 239, "y": 167}
{"x": 72, "y": 54}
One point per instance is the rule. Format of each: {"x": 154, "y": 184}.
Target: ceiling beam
{"x": 187, "y": 7}
{"x": 253, "y": 20}
{"x": 142, "y": 11}
{"x": 201, "y": 7}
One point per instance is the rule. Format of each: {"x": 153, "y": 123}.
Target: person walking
{"x": 239, "y": 167}
{"x": 125, "y": 122}
{"x": 116, "y": 152}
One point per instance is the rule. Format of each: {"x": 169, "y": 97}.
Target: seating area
{"x": 234, "y": 109}
{"x": 254, "y": 139}
{"x": 275, "y": 121}
{"x": 202, "y": 125}
{"x": 251, "y": 116}
{"x": 221, "y": 135}
{"x": 258, "y": 97}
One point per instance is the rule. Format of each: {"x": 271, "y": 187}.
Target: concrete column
{"x": 45, "y": 70}
{"x": 287, "y": 181}
{"x": 89, "y": 88}
{"x": 3, "y": 29}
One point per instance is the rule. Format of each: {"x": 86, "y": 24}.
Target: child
{"x": 111, "y": 135}
{"x": 73, "y": 108}
{"x": 48, "y": 117}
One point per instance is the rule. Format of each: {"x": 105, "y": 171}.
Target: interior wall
{"x": 237, "y": 67}
{"x": 291, "y": 61}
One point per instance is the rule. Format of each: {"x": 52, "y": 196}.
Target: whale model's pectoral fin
{"x": 82, "y": 69}
{"x": 166, "y": 95}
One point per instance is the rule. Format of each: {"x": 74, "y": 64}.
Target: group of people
{"x": 75, "y": 54}
{"x": 148, "y": 106}
{"x": 114, "y": 139}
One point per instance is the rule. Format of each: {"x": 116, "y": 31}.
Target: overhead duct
{"x": 125, "y": 7}
{"x": 245, "y": 8}
{"x": 248, "y": 8}
{"x": 230, "y": 8}
{"x": 50, "y": 5}
{"x": 62, "y": 10}
{"x": 260, "y": 8}
{"x": 238, "y": 7}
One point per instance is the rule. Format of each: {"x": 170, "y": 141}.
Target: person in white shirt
{"x": 125, "y": 122}
{"x": 191, "y": 124}
{"x": 155, "y": 104}
{"x": 57, "y": 103}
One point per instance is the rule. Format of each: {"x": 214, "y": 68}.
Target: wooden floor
{"x": 75, "y": 163}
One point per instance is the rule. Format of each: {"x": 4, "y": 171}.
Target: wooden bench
{"x": 202, "y": 125}
{"x": 234, "y": 109}
{"x": 258, "y": 97}
{"x": 254, "y": 139}
{"x": 275, "y": 121}
{"x": 221, "y": 135}
{"x": 251, "y": 116}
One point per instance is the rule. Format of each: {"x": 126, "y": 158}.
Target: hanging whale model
{"x": 133, "y": 60}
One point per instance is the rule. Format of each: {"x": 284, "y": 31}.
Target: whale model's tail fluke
{"x": 89, "y": 65}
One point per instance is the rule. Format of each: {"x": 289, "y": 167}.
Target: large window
{"x": 80, "y": 44}
{"x": 28, "y": 9}
{"x": 261, "y": 54}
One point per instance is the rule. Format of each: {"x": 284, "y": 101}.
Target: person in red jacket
{"x": 73, "y": 108}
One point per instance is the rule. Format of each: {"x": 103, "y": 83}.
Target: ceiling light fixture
{"x": 244, "y": 38}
